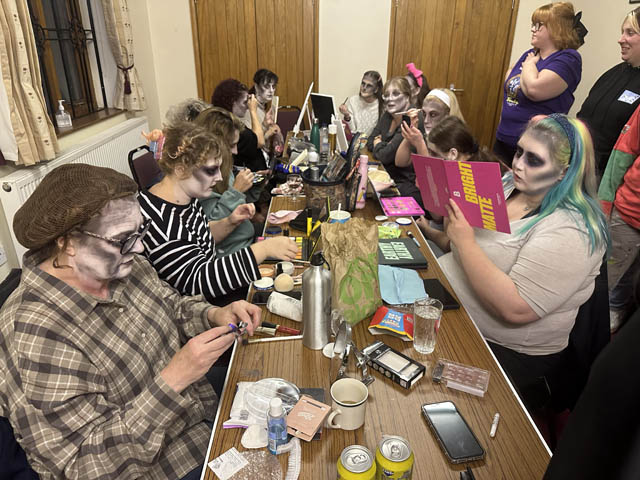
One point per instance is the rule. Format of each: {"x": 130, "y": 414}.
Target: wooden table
{"x": 517, "y": 452}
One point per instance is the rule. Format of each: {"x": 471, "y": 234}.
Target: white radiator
{"x": 107, "y": 149}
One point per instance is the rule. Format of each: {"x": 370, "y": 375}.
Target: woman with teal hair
{"x": 523, "y": 289}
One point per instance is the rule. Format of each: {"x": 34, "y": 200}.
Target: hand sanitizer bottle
{"x": 276, "y": 425}
{"x": 63, "y": 119}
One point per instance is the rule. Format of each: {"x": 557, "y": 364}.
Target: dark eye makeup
{"x": 530, "y": 158}
{"x": 211, "y": 171}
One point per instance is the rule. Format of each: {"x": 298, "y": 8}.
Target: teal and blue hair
{"x": 571, "y": 148}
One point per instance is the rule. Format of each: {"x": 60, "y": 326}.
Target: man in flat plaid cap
{"x": 102, "y": 365}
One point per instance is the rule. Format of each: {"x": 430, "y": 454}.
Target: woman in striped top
{"x": 181, "y": 243}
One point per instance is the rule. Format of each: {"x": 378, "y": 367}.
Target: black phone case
{"x": 432, "y": 285}
{"x": 442, "y": 444}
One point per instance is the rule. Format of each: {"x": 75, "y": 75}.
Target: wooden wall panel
{"x": 464, "y": 42}
{"x": 234, "y": 38}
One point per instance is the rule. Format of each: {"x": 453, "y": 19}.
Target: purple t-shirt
{"x": 517, "y": 109}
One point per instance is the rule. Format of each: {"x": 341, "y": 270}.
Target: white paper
{"x": 228, "y": 464}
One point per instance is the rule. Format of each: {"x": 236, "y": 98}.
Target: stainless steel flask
{"x": 316, "y": 304}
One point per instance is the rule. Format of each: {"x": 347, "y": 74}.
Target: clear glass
{"x": 427, "y": 313}
{"x": 294, "y": 183}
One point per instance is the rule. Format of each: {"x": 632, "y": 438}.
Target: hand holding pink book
{"x": 475, "y": 186}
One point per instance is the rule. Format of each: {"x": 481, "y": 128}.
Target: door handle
{"x": 453, "y": 88}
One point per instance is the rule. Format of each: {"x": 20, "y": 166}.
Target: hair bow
{"x": 579, "y": 27}
{"x": 417, "y": 74}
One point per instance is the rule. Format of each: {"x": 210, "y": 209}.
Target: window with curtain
{"x": 76, "y": 63}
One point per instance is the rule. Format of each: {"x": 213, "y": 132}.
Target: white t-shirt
{"x": 553, "y": 270}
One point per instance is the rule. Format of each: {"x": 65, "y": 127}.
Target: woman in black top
{"x": 234, "y": 97}
{"x": 614, "y": 96}
{"x": 387, "y": 135}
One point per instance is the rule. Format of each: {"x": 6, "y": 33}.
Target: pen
{"x": 494, "y": 425}
{"x": 270, "y": 339}
{"x": 415, "y": 240}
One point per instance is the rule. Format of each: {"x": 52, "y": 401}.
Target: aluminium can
{"x": 314, "y": 173}
{"x": 394, "y": 458}
{"x": 356, "y": 463}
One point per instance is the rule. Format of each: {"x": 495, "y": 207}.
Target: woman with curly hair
{"x": 181, "y": 241}
{"x": 234, "y": 97}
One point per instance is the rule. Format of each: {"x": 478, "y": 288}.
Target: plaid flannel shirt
{"x": 80, "y": 383}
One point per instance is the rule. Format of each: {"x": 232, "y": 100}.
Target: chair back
{"x": 144, "y": 167}
{"x": 287, "y": 118}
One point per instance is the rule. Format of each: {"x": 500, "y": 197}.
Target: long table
{"x": 517, "y": 451}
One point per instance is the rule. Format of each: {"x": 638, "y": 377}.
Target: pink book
{"x": 399, "y": 206}
{"x": 475, "y": 186}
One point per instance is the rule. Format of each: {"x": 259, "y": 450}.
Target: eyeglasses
{"x": 536, "y": 26}
{"x": 127, "y": 244}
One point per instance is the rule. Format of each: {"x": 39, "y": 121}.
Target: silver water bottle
{"x": 316, "y": 304}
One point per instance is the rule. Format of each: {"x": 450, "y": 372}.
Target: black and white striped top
{"x": 181, "y": 248}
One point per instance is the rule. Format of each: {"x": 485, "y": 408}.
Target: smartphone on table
{"x": 454, "y": 435}
{"x": 435, "y": 289}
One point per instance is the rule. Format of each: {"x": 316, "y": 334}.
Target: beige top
{"x": 553, "y": 270}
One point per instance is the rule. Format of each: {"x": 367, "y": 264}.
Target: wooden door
{"x": 234, "y": 38}
{"x": 466, "y": 43}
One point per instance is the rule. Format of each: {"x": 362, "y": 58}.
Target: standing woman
{"x": 362, "y": 111}
{"x": 614, "y": 96}
{"x": 544, "y": 78}
{"x": 387, "y": 136}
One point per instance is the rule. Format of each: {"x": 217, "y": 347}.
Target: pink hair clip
{"x": 417, "y": 74}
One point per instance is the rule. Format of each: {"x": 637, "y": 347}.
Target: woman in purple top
{"x": 544, "y": 78}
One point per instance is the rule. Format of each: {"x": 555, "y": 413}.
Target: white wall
{"x": 600, "y": 51}
{"x": 353, "y": 38}
{"x": 163, "y": 49}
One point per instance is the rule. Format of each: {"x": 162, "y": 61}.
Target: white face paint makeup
{"x": 100, "y": 260}
{"x": 415, "y": 88}
{"x": 434, "y": 111}
{"x": 367, "y": 88}
{"x": 534, "y": 173}
{"x": 202, "y": 180}
{"x": 265, "y": 92}
{"x": 240, "y": 106}
{"x": 395, "y": 101}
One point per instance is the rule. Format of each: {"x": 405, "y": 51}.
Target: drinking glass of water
{"x": 427, "y": 313}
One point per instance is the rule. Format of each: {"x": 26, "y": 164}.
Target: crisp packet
{"x": 388, "y": 321}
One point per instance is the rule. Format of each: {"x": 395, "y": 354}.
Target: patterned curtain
{"x": 129, "y": 94}
{"x": 22, "y": 103}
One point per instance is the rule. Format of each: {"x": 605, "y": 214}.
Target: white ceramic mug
{"x": 348, "y": 404}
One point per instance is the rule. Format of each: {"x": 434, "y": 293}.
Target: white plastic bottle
{"x": 63, "y": 119}
{"x": 276, "y": 425}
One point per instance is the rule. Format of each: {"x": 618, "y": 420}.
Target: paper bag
{"x": 351, "y": 249}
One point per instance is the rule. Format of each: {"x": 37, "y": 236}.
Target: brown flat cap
{"x": 68, "y": 196}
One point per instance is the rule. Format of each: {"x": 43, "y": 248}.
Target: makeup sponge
{"x": 283, "y": 283}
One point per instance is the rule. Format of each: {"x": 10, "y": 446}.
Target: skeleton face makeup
{"x": 265, "y": 92}
{"x": 202, "y": 180}
{"x": 367, "y": 88}
{"x": 534, "y": 173}
{"x": 394, "y": 100}
{"x": 240, "y": 106}
{"x": 434, "y": 111}
{"x": 100, "y": 260}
